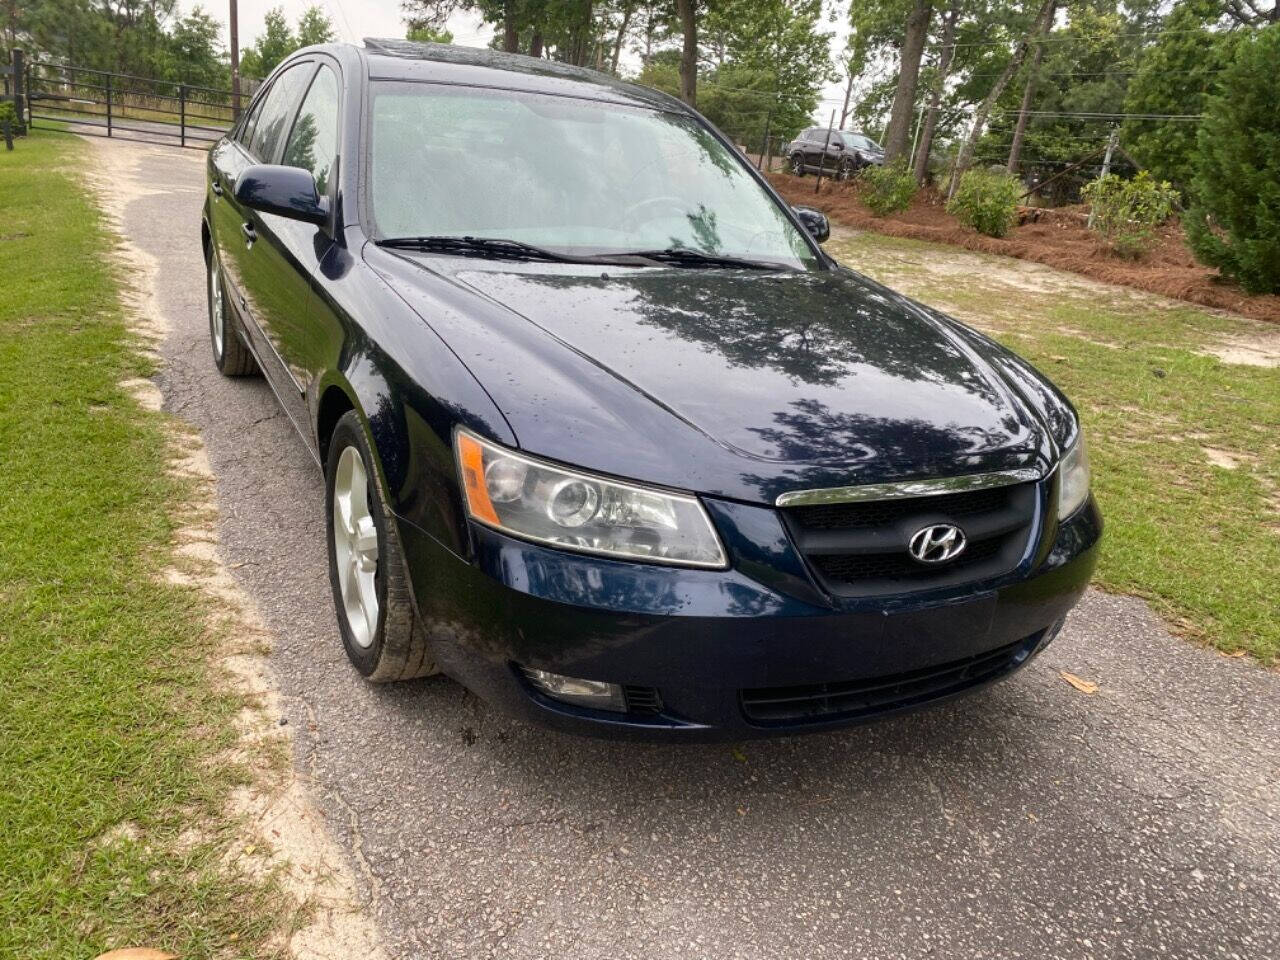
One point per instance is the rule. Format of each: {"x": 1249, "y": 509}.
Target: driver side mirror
{"x": 285, "y": 191}
{"x": 815, "y": 221}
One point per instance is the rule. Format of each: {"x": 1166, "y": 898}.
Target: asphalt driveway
{"x": 1031, "y": 820}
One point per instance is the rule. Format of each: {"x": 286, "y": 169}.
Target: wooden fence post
{"x": 108, "y": 104}
{"x": 182, "y": 111}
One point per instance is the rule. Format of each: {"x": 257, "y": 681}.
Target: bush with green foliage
{"x": 1234, "y": 222}
{"x": 887, "y": 189}
{"x": 987, "y": 201}
{"x": 1127, "y": 212}
{"x": 8, "y": 122}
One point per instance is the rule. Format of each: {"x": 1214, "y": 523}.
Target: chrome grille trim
{"x": 907, "y": 488}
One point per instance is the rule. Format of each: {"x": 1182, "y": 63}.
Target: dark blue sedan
{"x": 606, "y": 436}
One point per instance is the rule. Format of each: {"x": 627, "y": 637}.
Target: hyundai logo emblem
{"x": 937, "y": 543}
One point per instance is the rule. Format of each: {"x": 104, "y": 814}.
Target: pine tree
{"x": 1234, "y": 223}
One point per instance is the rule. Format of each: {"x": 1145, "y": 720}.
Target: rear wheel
{"x": 367, "y": 570}
{"x": 229, "y": 352}
{"x": 797, "y": 164}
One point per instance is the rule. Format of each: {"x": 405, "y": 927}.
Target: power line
{"x": 1079, "y": 39}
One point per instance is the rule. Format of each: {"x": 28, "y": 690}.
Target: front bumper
{"x": 755, "y": 650}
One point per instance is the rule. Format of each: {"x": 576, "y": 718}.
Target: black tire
{"x": 398, "y": 648}
{"x": 846, "y": 171}
{"x": 230, "y": 352}
{"x": 796, "y": 164}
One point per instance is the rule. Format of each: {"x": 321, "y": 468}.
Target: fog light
{"x": 583, "y": 693}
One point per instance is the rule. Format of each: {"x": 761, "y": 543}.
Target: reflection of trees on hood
{"x": 812, "y": 329}
{"x": 811, "y": 430}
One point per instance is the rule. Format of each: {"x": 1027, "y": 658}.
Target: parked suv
{"x": 606, "y": 436}
{"x": 840, "y": 153}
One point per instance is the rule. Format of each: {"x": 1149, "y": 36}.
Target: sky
{"x": 355, "y": 19}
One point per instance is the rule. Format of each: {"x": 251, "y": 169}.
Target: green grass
{"x": 1201, "y": 542}
{"x": 110, "y": 729}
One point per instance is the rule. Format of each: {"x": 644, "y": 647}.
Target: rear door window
{"x": 277, "y": 109}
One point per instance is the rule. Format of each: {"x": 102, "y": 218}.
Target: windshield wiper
{"x": 684, "y": 257}
{"x": 490, "y": 247}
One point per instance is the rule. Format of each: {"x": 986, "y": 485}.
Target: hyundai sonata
{"x": 606, "y": 436}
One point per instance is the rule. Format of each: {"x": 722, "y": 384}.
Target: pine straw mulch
{"x": 1056, "y": 238}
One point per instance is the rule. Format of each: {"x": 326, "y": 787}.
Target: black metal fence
{"x": 97, "y": 102}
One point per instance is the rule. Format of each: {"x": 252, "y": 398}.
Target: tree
{"x": 314, "y": 26}
{"x": 1175, "y": 76}
{"x": 275, "y": 43}
{"x": 197, "y": 54}
{"x": 1020, "y": 130}
{"x": 946, "y": 55}
{"x": 965, "y": 157}
{"x": 897, "y": 135}
{"x": 1234, "y": 221}
{"x": 686, "y": 12}
{"x": 424, "y": 32}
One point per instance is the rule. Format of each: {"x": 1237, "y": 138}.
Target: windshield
{"x": 574, "y": 176}
{"x": 859, "y": 142}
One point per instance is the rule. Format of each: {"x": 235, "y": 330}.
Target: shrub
{"x": 1234, "y": 221}
{"x": 1127, "y": 212}
{"x": 887, "y": 189}
{"x": 986, "y": 200}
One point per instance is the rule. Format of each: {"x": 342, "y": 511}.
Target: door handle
{"x": 217, "y": 189}
{"x": 250, "y": 234}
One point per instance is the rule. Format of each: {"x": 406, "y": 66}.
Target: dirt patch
{"x": 277, "y": 829}
{"x": 1260, "y": 349}
{"x": 1058, "y": 238}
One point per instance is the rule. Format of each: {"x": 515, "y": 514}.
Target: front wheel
{"x": 230, "y": 353}
{"x": 367, "y": 570}
{"x": 797, "y": 165}
{"x": 846, "y": 170}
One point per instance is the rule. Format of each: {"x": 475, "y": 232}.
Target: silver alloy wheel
{"x": 355, "y": 544}
{"x": 797, "y": 163}
{"x": 217, "y": 309}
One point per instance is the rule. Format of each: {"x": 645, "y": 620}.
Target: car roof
{"x": 472, "y": 66}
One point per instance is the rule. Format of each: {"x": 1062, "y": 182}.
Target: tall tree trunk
{"x": 510, "y": 32}
{"x": 897, "y": 137}
{"x": 1020, "y": 131}
{"x": 627, "y": 9}
{"x": 535, "y": 43}
{"x": 848, "y": 92}
{"x": 965, "y": 157}
{"x": 685, "y": 9}
{"x": 945, "y": 56}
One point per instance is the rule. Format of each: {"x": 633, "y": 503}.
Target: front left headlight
{"x": 549, "y": 504}
{"x": 1073, "y": 484}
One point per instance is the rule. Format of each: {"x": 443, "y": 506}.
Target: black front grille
{"x": 819, "y": 702}
{"x": 861, "y": 548}
{"x": 878, "y": 513}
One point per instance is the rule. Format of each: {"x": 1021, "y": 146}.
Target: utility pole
{"x": 915, "y": 138}
{"x": 235, "y": 61}
{"x": 1106, "y": 163}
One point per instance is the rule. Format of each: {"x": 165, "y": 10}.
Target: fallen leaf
{"x": 1084, "y": 686}
{"x": 137, "y": 953}
{"x": 248, "y": 851}
{"x": 1235, "y": 654}
{"x": 739, "y": 755}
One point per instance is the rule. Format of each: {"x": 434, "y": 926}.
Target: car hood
{"x": 739, "y": 383}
